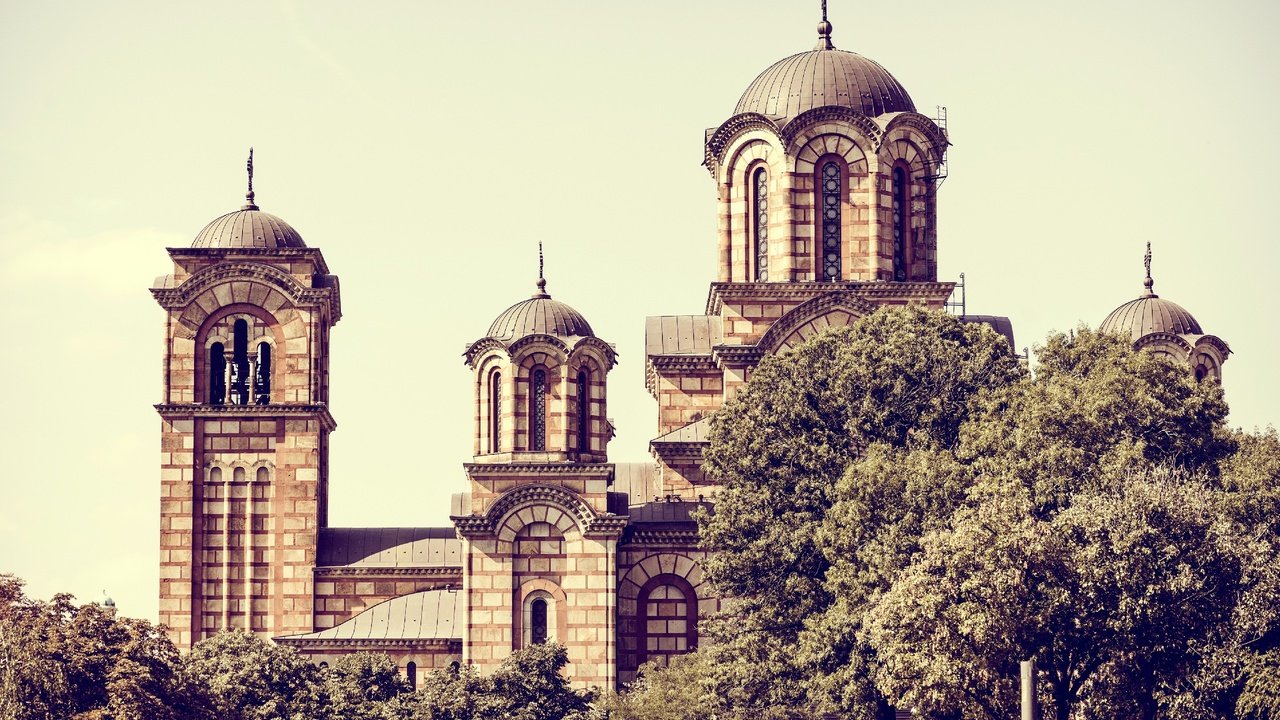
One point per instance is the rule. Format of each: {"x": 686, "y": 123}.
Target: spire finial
{"x": 824, "y": 31}
{"x": 1148, "y": 282}
{"x": 542, "y": 281}
{"x": 248, "y": 196}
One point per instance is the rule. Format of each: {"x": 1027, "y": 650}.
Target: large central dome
{"x": 821, "y": 77}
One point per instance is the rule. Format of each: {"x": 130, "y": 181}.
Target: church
{"x": 827, "y": 177}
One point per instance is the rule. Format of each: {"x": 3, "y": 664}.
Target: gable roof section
{"x": 426, "y": 615}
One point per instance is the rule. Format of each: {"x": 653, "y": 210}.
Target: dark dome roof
{"x": 539, "y": 315}
{"x": 1150, "y": 314}
{"x": 824, "y": 76}
{"x": 248, "y": 228}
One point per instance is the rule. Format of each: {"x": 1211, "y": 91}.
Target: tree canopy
{"x": 907, "y": 514}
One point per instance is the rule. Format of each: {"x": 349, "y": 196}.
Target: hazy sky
{"x": 427, "y": 147}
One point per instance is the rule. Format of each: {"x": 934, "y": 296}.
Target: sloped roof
{"x": 1000, "y": 324}
{"x": 426, "y": 615}
{"x": 682, "y": 334}
{"x": 389, "y": 547}
{"x": 697, "y": 431}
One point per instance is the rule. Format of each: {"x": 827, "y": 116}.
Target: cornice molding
{"x": 340, "y": 643}
{"x": 183, "y": 411}
{"x": 719, "y": 139}
{"x": 310, "y": 253}
{"x": 661, "y": 537}
{"x": 341, "y": 571}
{"x": 721, "y": 293}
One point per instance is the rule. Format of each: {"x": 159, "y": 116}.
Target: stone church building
{"x": 827, "y": 177}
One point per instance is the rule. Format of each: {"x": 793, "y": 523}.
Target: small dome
{"x": 821, "y": 77}
{"x": 1150, "y": 314}
{"x": 539, "y": 315}
{"x": 248, "y": 228}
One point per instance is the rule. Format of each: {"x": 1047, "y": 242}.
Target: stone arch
{"x": 729, "y": 131}
{"x": 925, "y": 132}
{"x": 560, "y": 508}
{"x": 835, "y": 120}
{"x": 664, "y": 563}
{"x": 811, "y": 317}
{"x": 217, "y": 286}
{"x": 276, "y": 333}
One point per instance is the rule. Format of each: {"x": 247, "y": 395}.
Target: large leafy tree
{"x": 902, "y": 378}
{"x": 62, "y": 660}
{"x": 247, "y": 678}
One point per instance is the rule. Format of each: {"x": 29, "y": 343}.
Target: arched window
{"x": 901, "y": 224}
{"x": 538, "y": 410}
{"x": 240, "y": 363}
{"x": 538, "y": 621}
{"x": 669, "y": 614}
{"x": 217, "y": 375}
{"x": 264, "y": 475}
{"x": 538, "y": 618}
{"x": 830, "y": 190}
{"x": 411, "y": 674}
{"x": 262, "y": 375}
{"x": 584, "y": 411}
{"x": 495, "y": 411}
{"x": 760, "y": 223}
{"x": 215, "y": 475}
{"x": 238, "y": 475}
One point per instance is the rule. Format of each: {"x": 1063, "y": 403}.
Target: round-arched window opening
{"x": 538, "y": 622}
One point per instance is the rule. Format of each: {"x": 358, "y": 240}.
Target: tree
{"x": 363, "y": 686}
{"x": 247, "y": 678}
{"x": 900, "y": 377}
{"x": 1107, "y": 595}
{"x": 60, "y": 660}
{"x": 528, "y": 685}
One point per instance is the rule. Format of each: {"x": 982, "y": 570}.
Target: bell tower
{"x": 245, "y": 426}
{"x": 540, "y": 533}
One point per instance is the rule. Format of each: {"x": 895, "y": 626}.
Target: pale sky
{"x": 426, "y": 148}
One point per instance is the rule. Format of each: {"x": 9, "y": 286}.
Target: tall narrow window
{"x": 900, "y": 224}
{"x": 263, "y": 475}
{"x": 495, "y": 411}
{"x": 411, "y": 674}
{"x": 760, "y": 212}
{"x": 262, "y": 375}
{"x": 538, "y": 410}
{"x": 240, "y": 363}
{"x": 217, "y": 375}
{"x": 831, "y": 189}
{"x": 584, "y": 412}
{"x": 538, "y": 621}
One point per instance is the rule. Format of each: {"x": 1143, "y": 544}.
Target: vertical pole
{"x": 1030, "y": 711}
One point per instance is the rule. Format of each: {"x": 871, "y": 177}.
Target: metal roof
{"x": 682, "y": 334}
{"x": 677, "y": 511}
{"x": 823, "y": 77}
{"x": 539, "y": 315}
{"x": 389, "y": 547}
{"x": 248, "y": 229}
{"x": 1000, "y": 324}
{"x": 638, "y": 482}
{"x": 696, "y": 431}
{"x": 1150, "y": 314}
{"x": 426, "y": 615}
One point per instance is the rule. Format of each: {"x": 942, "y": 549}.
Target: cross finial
{"x": 542, "y": 281}
{"x": 824, "y": 31}
{"x": 248, "y": 196}
{"x": 1148, "y": 282}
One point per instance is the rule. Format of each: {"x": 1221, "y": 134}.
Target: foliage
{"x": 362, "y": 686}
{"x": 528, "y": 685}
{"x": 876, "y": 549}
{"x": 59, "y": 660}
{"x": 902, "y": 378}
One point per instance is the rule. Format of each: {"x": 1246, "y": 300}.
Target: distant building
{"x": 827, "y": 179}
